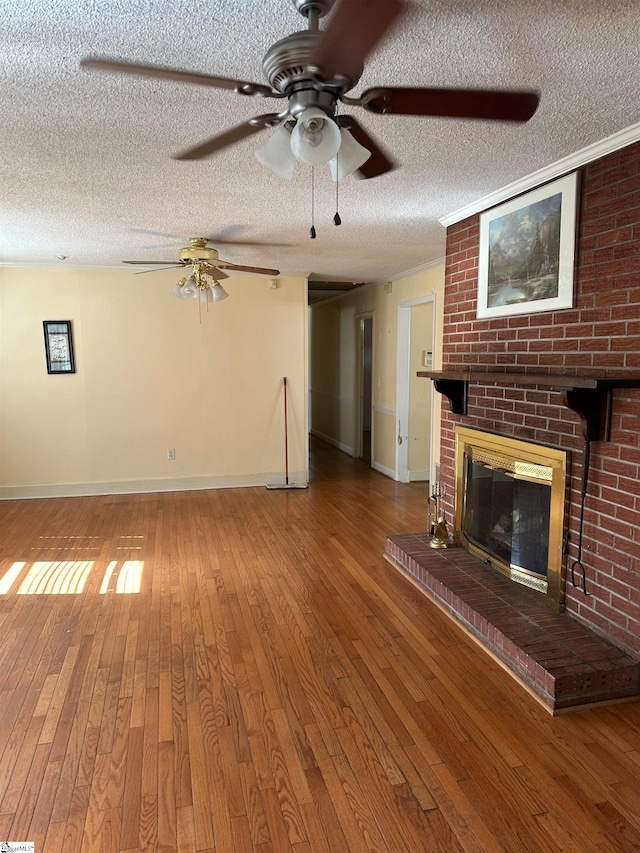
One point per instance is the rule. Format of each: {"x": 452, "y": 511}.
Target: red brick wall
{"x": 601, "y": 331}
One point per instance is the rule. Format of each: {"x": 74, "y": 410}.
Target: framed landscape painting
{"x": 527, "y": 249}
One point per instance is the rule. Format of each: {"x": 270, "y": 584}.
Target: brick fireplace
{"x": 600, "y": 333}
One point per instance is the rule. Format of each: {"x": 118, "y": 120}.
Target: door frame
{"x": 359, "y": 381}
{"x": 402, "y": 385}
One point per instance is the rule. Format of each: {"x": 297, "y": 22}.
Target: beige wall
{"x": 332, "y": 368}
{"x": 150, "y": 376}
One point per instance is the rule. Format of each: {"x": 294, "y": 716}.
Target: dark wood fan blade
{"x": 149, "y": 263}
{"x": 379, "y": 163}
{"x": 497, "y": 105}
{"x": 215, "y": 272}
{"x": 241, "y": 268}
{"x": 355, "y": 27}
{"x": 98, "y": 63}
{"x": 229, "y": 137}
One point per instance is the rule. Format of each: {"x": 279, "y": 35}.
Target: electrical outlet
{"x": 171, "y": 454}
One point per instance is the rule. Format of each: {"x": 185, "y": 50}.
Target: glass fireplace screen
{"x": 508, "y": 516}
{"x": 510, "y": 509}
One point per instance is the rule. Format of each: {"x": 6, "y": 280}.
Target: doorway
{"x": 363, "y": 441}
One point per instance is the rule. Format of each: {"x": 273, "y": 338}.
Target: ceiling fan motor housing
{"x": 286, "y": 66}
{"x": 319, "y": 6}
{"x": 198, "y": 251}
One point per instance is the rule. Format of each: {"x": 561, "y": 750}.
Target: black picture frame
{"x": 58, "y": 344}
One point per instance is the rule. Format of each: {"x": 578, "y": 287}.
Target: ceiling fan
{"x": 313, "y": 70}
{"x": 207, "y": 269}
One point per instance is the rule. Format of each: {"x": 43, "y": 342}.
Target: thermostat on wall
{"x": 427, "y": 358}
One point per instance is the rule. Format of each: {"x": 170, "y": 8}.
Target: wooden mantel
{"x": 589, "y": 395}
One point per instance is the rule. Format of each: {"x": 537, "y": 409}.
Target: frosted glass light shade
{"x": 218, "y": 293}
{"x": 316, "y": 138}
{"x": 349, "y": 158}
{"x": 189, "y": 289}
{"x": 276, "y": 154}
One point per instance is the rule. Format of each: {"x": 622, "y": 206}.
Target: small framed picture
{"x": 58, "y": 345}
{"x": 527, "y": 252}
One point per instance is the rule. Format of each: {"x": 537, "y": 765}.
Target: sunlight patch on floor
{"x": 128, "y": 577}
{"x": 56, "y": 577}
{"x": 10, "y": 576}
{"x": 69, "y": 577}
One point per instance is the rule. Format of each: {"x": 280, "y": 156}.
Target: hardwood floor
{"x": 241, "y": 670}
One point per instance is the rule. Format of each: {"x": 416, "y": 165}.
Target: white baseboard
{"x": 344, "y": 447}
{"x": 388, "y": 472}
{"x": 128, "y": 487}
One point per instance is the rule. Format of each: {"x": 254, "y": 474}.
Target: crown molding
{"x": 561, "y": 167}
{"x": 437, "y": 262}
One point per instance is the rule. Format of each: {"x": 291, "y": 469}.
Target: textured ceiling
{"x": 85, "y": 166}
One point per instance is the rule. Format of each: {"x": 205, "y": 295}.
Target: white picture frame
{"x": 527, "y": 252}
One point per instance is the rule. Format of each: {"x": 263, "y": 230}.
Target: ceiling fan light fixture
{"x": 186, "y": 288}
{"x": 190, "y": 288}
{"x": 351, "y": 156}
{"x": 180, "y": 293}
{"x": 276, "y": 154}
{"x": 316, "y": 138}
{"x": 218, "y": 293}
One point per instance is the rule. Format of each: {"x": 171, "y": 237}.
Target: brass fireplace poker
{"x": 439, "y": 528}
{"x": 578, "y": 564}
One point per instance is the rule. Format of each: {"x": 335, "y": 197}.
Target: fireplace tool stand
{"x": 439, "y": 528}
{"x": 582, "y": 583}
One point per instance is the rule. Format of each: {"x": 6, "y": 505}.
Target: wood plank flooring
{"x": 241, "y": 670}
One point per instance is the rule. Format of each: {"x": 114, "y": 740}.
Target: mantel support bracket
{"x": 457, "y": 392}
{"x": 594, "y": 408}
{"x": 593, "y": 405}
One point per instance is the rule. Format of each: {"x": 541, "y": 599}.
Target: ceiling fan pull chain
{"x": 336, "y": 218}
{"x": 312, "y": 232}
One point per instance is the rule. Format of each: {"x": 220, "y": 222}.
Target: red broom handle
{"x": 286, "y": 435}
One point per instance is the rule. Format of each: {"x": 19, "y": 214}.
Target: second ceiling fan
{"x": 313, "y": 70}
{"x": 207, "y": 269}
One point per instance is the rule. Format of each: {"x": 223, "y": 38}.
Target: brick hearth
{"x": 562, "y": 662}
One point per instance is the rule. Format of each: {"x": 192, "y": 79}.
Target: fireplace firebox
{"x": 511, "y": 509}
